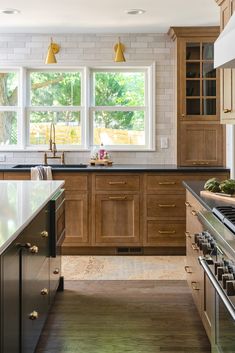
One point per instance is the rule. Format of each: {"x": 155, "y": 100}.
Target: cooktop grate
{"x": 227, "y": 215}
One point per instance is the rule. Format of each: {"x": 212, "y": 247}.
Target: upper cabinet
{"x": 227, "y": 111}
{"x": 200, "y": 136}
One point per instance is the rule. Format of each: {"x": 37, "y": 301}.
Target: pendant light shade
{"x": 52, "y": 50}
{"x": 119, "y": 52}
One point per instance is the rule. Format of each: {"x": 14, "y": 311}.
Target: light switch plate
{"x": 164, "y": 142}
{"x": 2, "y": 157}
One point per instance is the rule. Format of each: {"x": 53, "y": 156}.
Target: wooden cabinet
{"x": 201, "y": 288}
{"x": 201, "y": 144}
{"x": 116, "y": 209}
{"x": 76, "y": 208}
{"x": 227, "y": 111}
{"x": 200, "y": 137}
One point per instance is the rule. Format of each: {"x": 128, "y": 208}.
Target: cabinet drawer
{"x": 117, "y": 182}
{"x": 73, "y": 181}
{"x": 165, "y": 206}
{"x": 164, "y": 182}
{"x": 165, "y": 234}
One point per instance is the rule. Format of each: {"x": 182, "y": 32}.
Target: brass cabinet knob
{"x": 33, "y": 249}
{"x": 188, "y": 269}
{"x": 194, "y": 286}
{"x": 33, "y": 315}
{"x": 56, "y": 271}
{"x": 188, "y": 235}
{"x": 44, "y": 291}
{"x": 44, "y": 234}
{"x": 195, "y": 247}
{"x": 187, "y": 204}
{"x": 227, "y": 111}
{"x": 194, "y": 213}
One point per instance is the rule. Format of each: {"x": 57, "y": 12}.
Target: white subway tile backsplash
{"x": 30, "y": 49}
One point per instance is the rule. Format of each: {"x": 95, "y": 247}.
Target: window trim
{"x": 86, "y": 107}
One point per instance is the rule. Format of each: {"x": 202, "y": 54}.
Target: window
{"x": 55, "y": 97}
{"x": 119, "y": 109}
{"x": 113, "y": 105}
{"x": 9, "y": 110}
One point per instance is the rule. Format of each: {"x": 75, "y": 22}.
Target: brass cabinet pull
{"x": 56, "y": 271}
{"x": 188, "y": 235}
{"x": 187, "y": 204}
{"x": 117, "y": 182}
{"x": 166, "y": 205}
{"x": 195, "y": 247}
{"x": 33, "y": 249}
{"x": 120, "y": 198}
{"x": 167, "y": 183}
{"x": 33, "y": 315}
{"x": 227, "y": 111}
{"x": 194, "y": 286}
{"x": 187, "y": 269}
{"x": 200, "y": 163}
{"x": 44, "y": 291}
{"x": 44, "y": 234}
{"x": 167, "y": 231}
{"x": 193, "y": 213}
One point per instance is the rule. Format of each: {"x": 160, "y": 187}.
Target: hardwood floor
{"x": 124, "y": 316}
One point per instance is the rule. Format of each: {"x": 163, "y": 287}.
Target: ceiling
{"x": 105, "y": 16}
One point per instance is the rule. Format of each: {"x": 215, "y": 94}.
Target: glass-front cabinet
{"x": 199, "y": 81}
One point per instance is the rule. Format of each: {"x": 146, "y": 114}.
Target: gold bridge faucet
{"x": 52, "y": 147}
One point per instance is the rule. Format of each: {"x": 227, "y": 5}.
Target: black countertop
{"x": 195, "y": 187}
{"x": 119, "y": 168}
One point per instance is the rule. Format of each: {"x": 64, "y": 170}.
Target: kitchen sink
{"x": 57, "y": 166}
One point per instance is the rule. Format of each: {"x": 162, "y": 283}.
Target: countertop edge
{"x": 13, "y": 237}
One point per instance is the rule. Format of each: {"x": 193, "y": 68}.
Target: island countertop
{"x": 20, "y": 202}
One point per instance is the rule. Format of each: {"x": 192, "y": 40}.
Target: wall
{"x": 30, "y": 49}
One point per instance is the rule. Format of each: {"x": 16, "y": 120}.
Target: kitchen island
{"x": 30, "y": 271}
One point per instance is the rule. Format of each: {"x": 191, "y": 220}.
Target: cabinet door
{"x": 10, "y": 301}
{"x": 116, "y": 219}
{"x": 76, "y": 218}
{"x": 198, "y": 81}
{"x": 201, "y": 144}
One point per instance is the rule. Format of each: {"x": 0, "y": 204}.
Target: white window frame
{"x": 148, "y": 108}
{"x": 86, "y": 109}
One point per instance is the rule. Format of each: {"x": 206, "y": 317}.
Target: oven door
{"x": 223, "y": 325}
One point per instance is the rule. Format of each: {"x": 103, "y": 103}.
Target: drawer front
{"x": 166, "y": 206}
{"x": 165, "y": 234}
{"x": 117, "y": 182}
{"x": 35, "y": 301}
{"x": 73, "y": 181}
{"x": 35, "y": 240}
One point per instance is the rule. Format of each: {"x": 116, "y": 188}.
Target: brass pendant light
{"x": 53, "y": 49}
{"x": 119, "y": 49}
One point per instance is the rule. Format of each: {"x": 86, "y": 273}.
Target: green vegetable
{"x": 228, "y": 186}
{"x": 212, "y": 185}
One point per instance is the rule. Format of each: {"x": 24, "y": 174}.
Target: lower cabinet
{"x": 30, "y": 275}
{"x": 117, "y": 219}
{"x": 198, "y": 282}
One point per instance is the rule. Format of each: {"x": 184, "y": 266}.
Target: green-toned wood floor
{"x": 124, "y": 316}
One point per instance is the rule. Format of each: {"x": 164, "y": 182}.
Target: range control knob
{"x": 206, "y": 248}
{"x": 220, "y": 271}
{"x": 217, "y": 264}
{"x": 230, "y": 288}
{"x": 226, "y": 277}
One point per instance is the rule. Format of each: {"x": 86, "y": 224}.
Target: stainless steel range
{"x": 218, "y": 245}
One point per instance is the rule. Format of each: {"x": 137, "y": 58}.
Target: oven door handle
{"x": 229, "y": 306}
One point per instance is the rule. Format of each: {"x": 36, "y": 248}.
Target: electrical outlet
{"x": 2, "y": 157}
{"x": 164, "y": 142}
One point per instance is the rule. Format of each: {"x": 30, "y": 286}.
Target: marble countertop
{"x": 20, "y": 202}
{"x": 195, "y": 187}
{"x": 117, "y": 167}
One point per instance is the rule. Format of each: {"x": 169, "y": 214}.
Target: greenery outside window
{"x": 119, "y": 111}
{"x": 55, "y": 97}
{"x": 9, "y": 108}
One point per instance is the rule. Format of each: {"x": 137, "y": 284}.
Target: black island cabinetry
{"x": 30, "y": 276}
